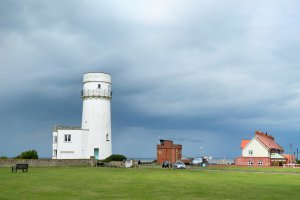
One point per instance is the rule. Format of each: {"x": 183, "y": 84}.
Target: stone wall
{"x": 49, "y": 162}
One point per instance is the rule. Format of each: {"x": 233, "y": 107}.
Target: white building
{"x": 93, "y": 138}
{"x": 261, "y": 150}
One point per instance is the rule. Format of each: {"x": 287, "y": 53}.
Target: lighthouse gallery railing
{"x": 96, "y": 93}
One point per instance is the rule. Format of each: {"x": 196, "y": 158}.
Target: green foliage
{"x": 30, "y": 154}
{"x": 298, "y": 161}
{"x": 3, "y": 157}
{"x": 115, "y": 157}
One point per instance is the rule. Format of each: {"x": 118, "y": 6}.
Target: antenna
{"x": 291, "y": 152}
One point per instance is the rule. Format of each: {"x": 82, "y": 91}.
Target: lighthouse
{"x": 96, "y": 117}
{"x": 93, "y": 137}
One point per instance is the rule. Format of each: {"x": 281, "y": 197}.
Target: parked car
{"x": 166, "y": 164}
{"x": 179, "y": 165}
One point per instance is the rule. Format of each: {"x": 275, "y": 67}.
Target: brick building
{"x": 167, "y": 151}
{"x": 262, "y": 150}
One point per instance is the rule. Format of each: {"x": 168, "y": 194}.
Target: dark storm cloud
{"x": 204, "y": 73}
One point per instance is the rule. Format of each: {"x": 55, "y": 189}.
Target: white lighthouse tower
{"x": 96, "y": 96}
{"x": 93, "y": 138}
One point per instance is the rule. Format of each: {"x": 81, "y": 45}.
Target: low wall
{"x": 48, "y": 162}
{"x": 244, "y": 161}
{"x": 119, "y": 164}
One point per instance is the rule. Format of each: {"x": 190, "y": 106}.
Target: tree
{"x": 30, "y": 154}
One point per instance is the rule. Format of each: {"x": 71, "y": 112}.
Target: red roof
{"x": 244, "y": 143}
{"x": 290, "y": 158}
{"x": 268, "y": 140}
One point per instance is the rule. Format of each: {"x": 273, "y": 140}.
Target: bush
{"x": 115, "y": 157}
{"x": 3, "y": 157}
{"x": 31, "y": 154}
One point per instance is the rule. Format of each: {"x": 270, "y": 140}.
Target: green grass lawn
{"x": 145, "y": 183}
{"x": 249, "y": 168}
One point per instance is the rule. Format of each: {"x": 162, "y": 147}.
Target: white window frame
{"x": 250, "y": 152}
{"x": 250, "y": 162}
{"x": 67, "y": 138}
{"x": 260, "y": 163}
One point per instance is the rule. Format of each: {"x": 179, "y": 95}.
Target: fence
{"x": 291, "y": 165}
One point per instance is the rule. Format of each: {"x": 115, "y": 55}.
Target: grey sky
{"x": 203, "y": 73}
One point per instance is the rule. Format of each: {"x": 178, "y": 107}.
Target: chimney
{"x": 265, "y": 135}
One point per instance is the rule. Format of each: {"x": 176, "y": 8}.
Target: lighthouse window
{"x": 99, "y": 86}
{"x": 107, "y": 138}
{"x": 67, "y": 137}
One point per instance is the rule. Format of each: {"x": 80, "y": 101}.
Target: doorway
{"x": 96, "y": 153}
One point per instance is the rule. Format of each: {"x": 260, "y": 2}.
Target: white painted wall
{"x": 257, "y": 148}
{"x": 96, "y": 113}
{"x": 68, "y": 150}
{"x": 84, "y": 143}
{"x": 54, "y": 145}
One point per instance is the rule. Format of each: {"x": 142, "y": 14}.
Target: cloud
{"x": 183, "y": 67}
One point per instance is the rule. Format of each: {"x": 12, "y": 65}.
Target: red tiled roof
{"x": 268, "y": 141}
{"x": 290, "y": 158}
{"x": 244, "y": 143}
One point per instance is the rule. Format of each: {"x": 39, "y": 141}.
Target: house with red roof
{"x": 262, "y": 150}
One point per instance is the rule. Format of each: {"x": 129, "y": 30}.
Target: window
{"x": 260, "y": 162}
{"x": 54, "y": 153}
{"x": 250, "y": 162}
{"x": 55, "y": 139}
{"x": 67, "y": 137}
{"x": 107, "y": 137}
{"x": 250, "y": 152}
{"x": 99, "y": 86}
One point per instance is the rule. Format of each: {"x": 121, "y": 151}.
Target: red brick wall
{"x": 167, "y": 151}
{"x": 254, "y": 160}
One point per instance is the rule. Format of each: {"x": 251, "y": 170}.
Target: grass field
{"x": 249, "y": 168}
{"x": 145, "y": 183}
